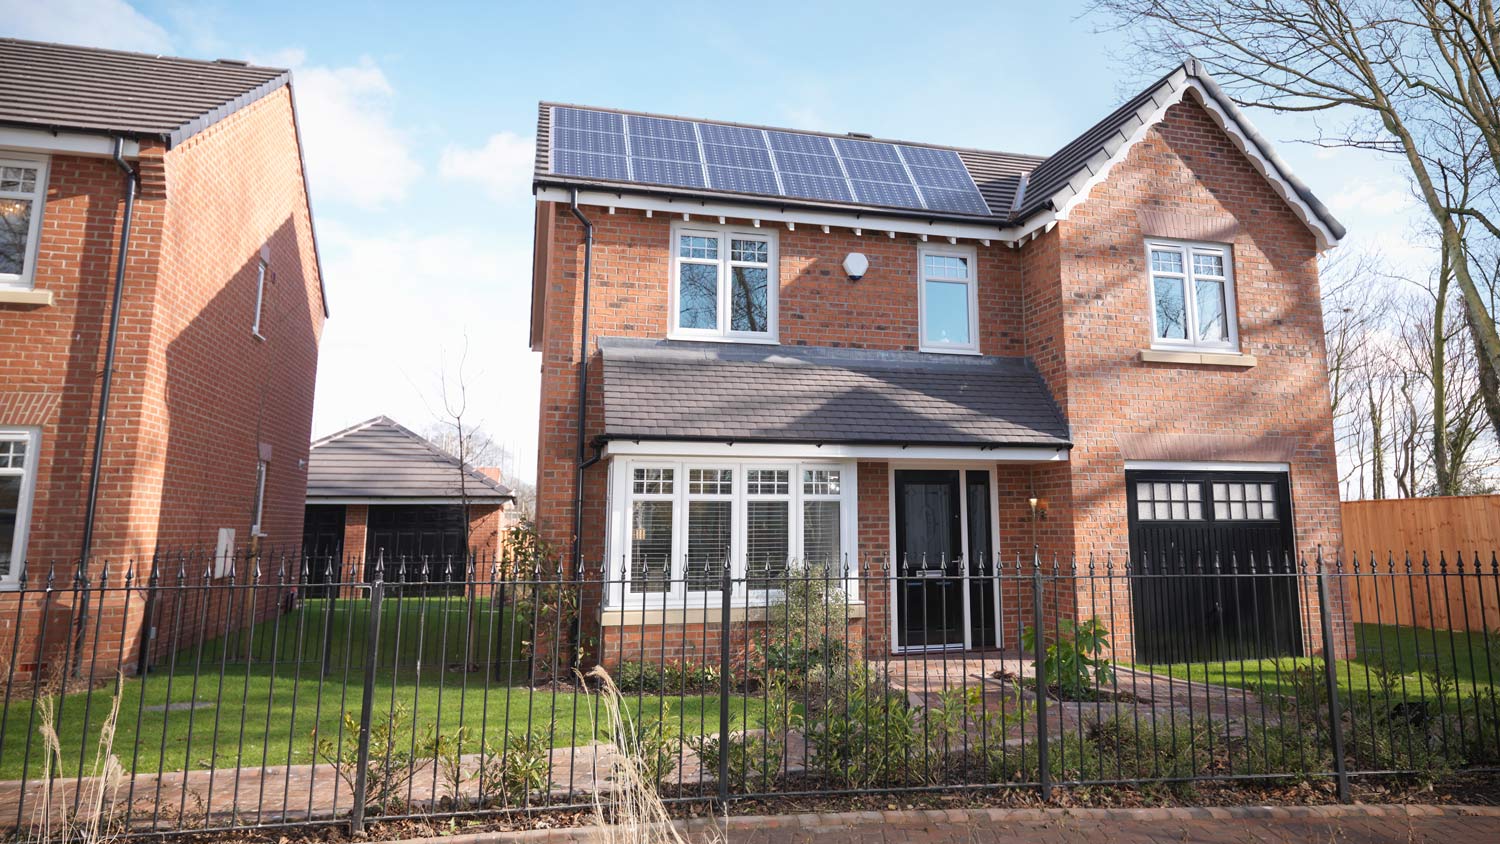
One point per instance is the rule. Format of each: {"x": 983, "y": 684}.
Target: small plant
{"x": 673, "y": 677}
{"x": 518, "y": 768}
{"x": 754, "y": 758}
{"x": 866, "y": 736}
{"x": 657, "y": 747}
{"x": 1075, "y": 662}
{"x": 97, "y": 789}
{"x": 807, "y": 624}
{"x": 391, "y": 765}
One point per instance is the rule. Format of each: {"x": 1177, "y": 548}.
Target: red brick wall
{"x": 195, "y": 396}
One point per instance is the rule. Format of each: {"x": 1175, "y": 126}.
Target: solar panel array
{"x": 683, "y": 153}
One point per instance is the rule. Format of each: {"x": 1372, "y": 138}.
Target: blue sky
{"x": 418, "y": 122}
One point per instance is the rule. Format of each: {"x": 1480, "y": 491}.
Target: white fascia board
{"x": 835, "y": 451}
{"x": 455, "y": 500}
{"x": 708, "y": 209}
{"x": 69, "y": 143}
{"x": 1206, "y": 466}
{"x": 1171, "y": 93}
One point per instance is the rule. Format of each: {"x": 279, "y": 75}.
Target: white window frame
{"x": 725, "y": 235}
{"x": 32, "y": 438}
{"x": 261, "y": 271}
{"x": 1190, "y": 296}
{"x": 622, "y": 497}
{"x": 26, "y": 279}
{"x": 262, "y": 467}
{"x": 969, "y": 254}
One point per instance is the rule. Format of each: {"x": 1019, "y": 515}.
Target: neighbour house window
{"x": 723, "y": 284}
{"x": 1192, "y": 296}
{"x": 948, "y": 300}
{"x": 1244, "y": 501}
{"x": 1163, "y": 501}
{"x": 23, "y": 184}
{"x": 261, "y": 270}
{"x": 260, "y": 499}
{"x": 17, "y": 476}
{"x": 686, "y": 520}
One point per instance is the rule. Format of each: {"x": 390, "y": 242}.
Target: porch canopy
{"x": 853, "y": 403}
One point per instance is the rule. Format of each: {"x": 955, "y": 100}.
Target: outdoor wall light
{"x": 856, "y": 265}
{"x": 1038, "y": 509}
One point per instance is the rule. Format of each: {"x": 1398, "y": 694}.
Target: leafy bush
{"x": 866, "y": 736}
{"x": 672, "y": 677}
{"x": 754, "y": 758}
{"x": 1075, "y": 661}
{"x": 391, "y": 764}
{"x": 655, "y": 749}
{"x": 806, "y": 624}
{"x": 518, "y": 768}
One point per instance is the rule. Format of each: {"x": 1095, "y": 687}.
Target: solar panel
{"x": 665, "y": 151}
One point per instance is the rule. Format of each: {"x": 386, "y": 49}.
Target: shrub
{"x": 806, "y": 624}
{"x": 390, "y": 767}
{"x": 1075, "y": 661}
{"x": 754, "y": 758}
{"x": 515, "y": 770}
{"x": 866, "y": 736}
{"x": 672, "y": 677}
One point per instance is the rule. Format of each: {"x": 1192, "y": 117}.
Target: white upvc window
{"x": 680, "y": 521}
{"x": 724, "y": 283}
{"x": 261, "y": 271}
{"x": 948, "y": 299}
{"x": 1192, "y": 295}
{"x": 23, "y": 186}
{"x": 18, "y": 457}
{"x": 257, "y": 521}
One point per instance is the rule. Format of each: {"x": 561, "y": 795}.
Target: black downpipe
{"x": 132, "y": 180}
{"x": 583, "y": 385}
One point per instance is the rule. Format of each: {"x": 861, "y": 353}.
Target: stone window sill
{"x": 1233, "y": 360}
{"x": 634, "y": 616}
{"x": 39, "y": 298}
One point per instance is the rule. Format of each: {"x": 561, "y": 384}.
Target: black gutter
{"x": 583, "y": 385}
{"x": 132, "y": 181}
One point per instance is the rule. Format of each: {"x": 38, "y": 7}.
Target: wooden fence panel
{"x": 1442, "y": 529}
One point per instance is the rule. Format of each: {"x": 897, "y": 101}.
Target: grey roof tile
{"x": 379, "y": 458}
{"x": 59, "y": 86}
{"x": 655, "y": 389}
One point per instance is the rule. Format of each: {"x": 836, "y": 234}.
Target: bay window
{"x": 680, "y": 522}
{"x": 723, "y": 283}
{"x": 1192, "y": 296}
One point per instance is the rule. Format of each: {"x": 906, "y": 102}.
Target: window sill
{"x": 1234, "y": 360}
{"x": 629, "y": 616}
{"x": 939, "y": 350}
{"x": 19, "y": 296}
{"x": 701, "y": 338}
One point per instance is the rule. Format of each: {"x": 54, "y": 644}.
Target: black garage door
{"x": 1212, "y": 575}
{"x": 417, "y": 541}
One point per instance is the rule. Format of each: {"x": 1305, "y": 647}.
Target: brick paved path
{"x": 1254, "y": 825}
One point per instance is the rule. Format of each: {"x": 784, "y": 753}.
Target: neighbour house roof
{"x": 379, "y": 458}
{"x": 1021, "y": 191}
{"x": 666, "y": 390}
{"x": 63, "y": 87}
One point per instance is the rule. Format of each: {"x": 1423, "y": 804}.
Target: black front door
{"x": 929, "y": 559}
{"x": 1212, "y": 575}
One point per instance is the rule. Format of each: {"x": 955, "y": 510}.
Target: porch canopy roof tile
{"x": 380, "y": 458}
{"x": 675, "y": 390}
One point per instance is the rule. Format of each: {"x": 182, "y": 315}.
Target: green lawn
{"x": 257, "y": 711}
{"x": 1409, "y": 659}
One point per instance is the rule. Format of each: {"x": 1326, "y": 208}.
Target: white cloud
{"x": 502, "y": 166}
{"x": 402, "y": 305}
{"x": 355, "y": 151}
{"x": 1370, "y": 198}
{"x": 91, "y": 23}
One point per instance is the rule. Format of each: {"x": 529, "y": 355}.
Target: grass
{"x": 1411, "y": 657}
{"x": 240, "y": 712}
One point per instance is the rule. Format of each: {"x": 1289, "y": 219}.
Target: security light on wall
{"x": 856, "y": 264}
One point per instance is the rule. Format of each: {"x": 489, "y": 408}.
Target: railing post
{"x": 367, "y": 703}
{"x": 1039, "y": 657}
{"x": 726, "y": 584}
{"x": 1335, "y": 719}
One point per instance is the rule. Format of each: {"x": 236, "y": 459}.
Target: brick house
{"x": 155, "y": 216}
{"x": 912, "y": 361}
{"x": 378, "y": 490}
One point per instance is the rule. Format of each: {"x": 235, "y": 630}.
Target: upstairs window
{"x": 23, "y": 183}
{"x": 1192, "y": 296}
{"x": 723, "y": 284}
{"x": 948, "y": 300}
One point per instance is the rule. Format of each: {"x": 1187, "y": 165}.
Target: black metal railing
{"x": 188, "y": 692}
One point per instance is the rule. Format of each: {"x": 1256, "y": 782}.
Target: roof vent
{"x": 865, "y": 135}
{"x": 235, "y": 62}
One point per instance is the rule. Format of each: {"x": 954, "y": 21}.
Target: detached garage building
{"x": 378, "y": 490}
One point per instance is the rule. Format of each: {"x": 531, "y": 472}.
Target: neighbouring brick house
{"x": 379, "y": 491}
{"x": 910, "y": 361}
{"x": 219, "y": 308}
